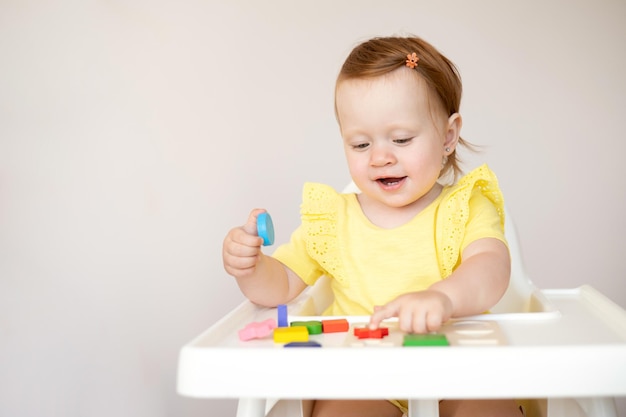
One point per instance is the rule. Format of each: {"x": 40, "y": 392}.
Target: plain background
{"x": 134, "y": 135}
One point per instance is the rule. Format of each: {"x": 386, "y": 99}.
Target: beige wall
{"x": 133, "y": 135}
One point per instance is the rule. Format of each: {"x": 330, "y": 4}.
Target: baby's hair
{"x": 380, "y": 56}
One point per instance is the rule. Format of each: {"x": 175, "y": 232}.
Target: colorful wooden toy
{"x": 291, "y": 334}
{"x": 282, "y": 315}
{"x": 265, "y": 228}
{"x": 257, "y": 330}
{"x": 431, "y": 339}
{"x": 335, "y": 325}
{"x": 313, "y": 326}
{"x": 310, "y": 343}
{"x": 367, "y": 333}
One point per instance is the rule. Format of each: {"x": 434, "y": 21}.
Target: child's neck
{"x": 388, "y": 217}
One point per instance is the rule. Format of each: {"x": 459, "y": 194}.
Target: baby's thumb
{"x": 250, "y": 227}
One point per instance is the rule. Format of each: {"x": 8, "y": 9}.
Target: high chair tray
{"x": 579, "y": 350}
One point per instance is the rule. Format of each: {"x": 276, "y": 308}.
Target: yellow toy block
{"x": 291, "y": 334}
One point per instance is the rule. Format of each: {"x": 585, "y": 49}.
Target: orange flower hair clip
{"x": 411, "y": 60}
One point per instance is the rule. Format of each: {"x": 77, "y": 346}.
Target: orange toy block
{"x": 335, "y": 326}
{"x": 291, "y": 334}
{"x": 366, "y": 333}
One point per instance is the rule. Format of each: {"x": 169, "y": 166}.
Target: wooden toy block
{"x": 310, "y": 343}
{"x": 265, "y": 228}
{"x": 291, "y": 334}
{"x": 334, "y": 326}
{"x": 432, "y": 339}
{"x": 257, "y": 330}
{"x": 366, "y": 333}
{"x": 313, "y": 326}
{"x": 282, "y": 315}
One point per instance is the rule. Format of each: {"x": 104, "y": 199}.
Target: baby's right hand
{"x": 241, "y": 250}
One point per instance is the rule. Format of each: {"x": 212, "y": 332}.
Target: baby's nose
{"x": 381, "y": 155}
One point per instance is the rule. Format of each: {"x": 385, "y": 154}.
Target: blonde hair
{"x": 380, "y": 56}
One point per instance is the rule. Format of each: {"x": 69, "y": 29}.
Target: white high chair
{"x": 566, "y": 347}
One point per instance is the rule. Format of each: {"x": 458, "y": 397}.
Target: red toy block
{"x": 335, "y": 326}
{"x": 366, "y": 333}
{"x": 257, "y": 330}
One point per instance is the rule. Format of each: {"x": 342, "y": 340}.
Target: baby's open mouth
{"x": 390, "y": 181}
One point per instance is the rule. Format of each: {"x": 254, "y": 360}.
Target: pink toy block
{"x": 257, "y": 330}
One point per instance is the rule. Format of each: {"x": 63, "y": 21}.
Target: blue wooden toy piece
{"x": 265, "y": 228}
{"x": 310, "y": 343}
{"x": 283, "y": 320}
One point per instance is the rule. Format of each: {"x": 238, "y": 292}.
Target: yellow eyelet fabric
{"x": 319, "y": 219}
{"x": 454, "y": 213}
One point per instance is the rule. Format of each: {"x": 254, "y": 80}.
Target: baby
{"x": 409, "y": 245}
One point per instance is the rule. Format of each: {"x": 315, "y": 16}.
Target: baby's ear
{"x": 453, "y": 132}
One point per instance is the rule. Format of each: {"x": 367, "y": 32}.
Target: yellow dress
{"x": 369, "y": 265}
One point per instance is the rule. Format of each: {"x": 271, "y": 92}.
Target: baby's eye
{"x": 402, "y": 141}
{"x": 360, "y": 146}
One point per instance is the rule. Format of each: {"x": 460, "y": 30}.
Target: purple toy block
{"x": 282, "y": 315}
{"x": 310, "y": 343}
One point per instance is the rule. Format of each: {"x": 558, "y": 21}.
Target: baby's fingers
{"x": 433, "y": 322}
{"x": 382, "y": 313}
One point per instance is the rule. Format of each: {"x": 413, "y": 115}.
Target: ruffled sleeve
{"x": 320, "y": 212}
{"x": 454, "y": 212}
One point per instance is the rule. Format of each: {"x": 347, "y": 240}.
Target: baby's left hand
{"x": 417, "y": 312}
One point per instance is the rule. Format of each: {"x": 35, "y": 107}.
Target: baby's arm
{"x": 474, "y": 287}
{"x": 262, "y": 279}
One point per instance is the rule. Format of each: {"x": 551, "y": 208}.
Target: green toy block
{"x": 425, "y": 340}
{"x": 313, "y": 326}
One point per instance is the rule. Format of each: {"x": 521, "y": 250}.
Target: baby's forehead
{"x": 397, "y": 82}
{"x": 390, "y": 83}
{"x": 401, "y": 75}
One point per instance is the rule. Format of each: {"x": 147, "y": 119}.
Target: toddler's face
{"x": 394, "y": 137}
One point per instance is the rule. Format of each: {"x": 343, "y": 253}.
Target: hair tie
{"x": 411, "y": 60}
